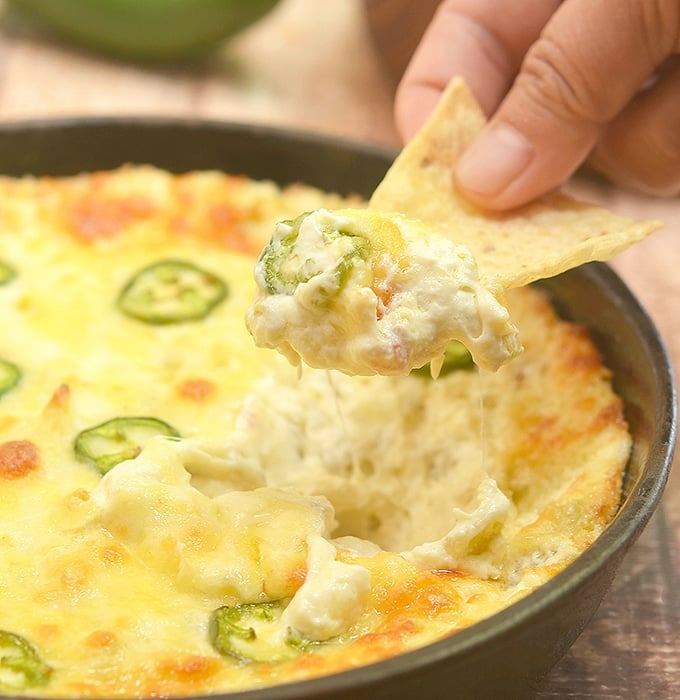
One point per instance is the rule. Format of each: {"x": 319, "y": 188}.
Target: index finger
{"x": 473, "y": 40}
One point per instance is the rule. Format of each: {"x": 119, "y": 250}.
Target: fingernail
{"x": 493, "y": 161}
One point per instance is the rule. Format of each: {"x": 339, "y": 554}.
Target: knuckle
{"x": 652, "y": 166}
{"x": 660, "y": 155}
{"x": 660, "y": 27}
{"x": 660, "y": 188}
{"x": 491, "y": 47}
{"x": 662, "y": 177}
{"x": 667, "y": 145}
{"x": 553, "y": 81}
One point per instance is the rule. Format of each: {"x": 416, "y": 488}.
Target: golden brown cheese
{"x": 411, "y": 508}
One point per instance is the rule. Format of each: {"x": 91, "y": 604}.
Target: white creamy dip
{"x": 331, "y": 597}
{"x": 370, "y": 293}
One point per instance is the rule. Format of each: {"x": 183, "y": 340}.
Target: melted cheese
{"x": 465, "y": 546}
{"x": 366, "y": 507}
{"x": 331, "y": 598}
{"x": 240, "y": 546}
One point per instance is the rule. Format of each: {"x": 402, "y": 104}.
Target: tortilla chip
{"x": 550, "y": 235}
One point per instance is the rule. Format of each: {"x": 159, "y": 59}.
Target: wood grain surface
{"x": 313, "y": 66}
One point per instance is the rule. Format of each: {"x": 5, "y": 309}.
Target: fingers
{"x": 587, "y": 65}
{"x": 640, "y": 149}
{"x": 470, "y": 38}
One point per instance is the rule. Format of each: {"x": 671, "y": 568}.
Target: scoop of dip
{"x": 369, "y": 292}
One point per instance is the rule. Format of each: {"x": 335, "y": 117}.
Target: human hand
{"x": 596, "y": 80}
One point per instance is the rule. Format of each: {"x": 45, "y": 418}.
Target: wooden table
{"x": 328, "y": 80}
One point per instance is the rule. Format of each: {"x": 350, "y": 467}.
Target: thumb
{"x": 588, "y": 63}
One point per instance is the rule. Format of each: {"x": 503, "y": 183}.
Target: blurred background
{"x": 330, "y": 66}
{"x": 304, "y": 64}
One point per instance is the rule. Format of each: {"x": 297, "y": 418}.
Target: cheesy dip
{"x": 183, "y": 512}
{"x": 322, "y": 276}
{"x": 392, "y": 287}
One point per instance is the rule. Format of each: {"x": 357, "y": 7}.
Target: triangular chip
{"x": 541, "y": 239}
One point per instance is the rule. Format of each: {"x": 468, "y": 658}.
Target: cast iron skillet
{"x": 501, "y": 657}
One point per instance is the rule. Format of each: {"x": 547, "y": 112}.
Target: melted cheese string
{"x": 482, "y": 418}
{"x": 354, "y": 461}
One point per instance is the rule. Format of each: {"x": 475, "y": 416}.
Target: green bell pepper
{"x": 145, "y": 29}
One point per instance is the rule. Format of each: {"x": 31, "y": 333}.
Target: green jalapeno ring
{"x": 10, "y": 375}
{"x": 456, "y": 357}
{"x": 227, "y": 622}
{"x": 7, "y": 273}
{"x": 171, "y": 291}
{"x": 107, "y": 444}
{"x": 276, "y": 278}
{"x": 282, "y": 271}
{"x": 232, "y": 633}
{"x": 20, "y": 664}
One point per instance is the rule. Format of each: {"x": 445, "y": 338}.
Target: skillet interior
{"x": 505, "y": 655}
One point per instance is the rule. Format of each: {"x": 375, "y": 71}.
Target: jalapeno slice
{"x": 171, "y": 291}
{"x": 250, "y": 632}
{"x": 7, "y": 273}
{"x": 20, "y": 664}
{"x": 282, "y": 267}
{"x": 10, "y": 375}
{"x": 118, "y": 439}
{"x": 456, "y": 357}
{"x": 280, "y": 277}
